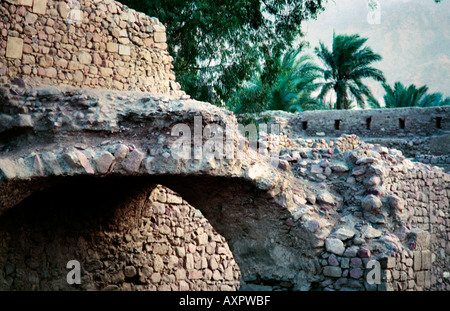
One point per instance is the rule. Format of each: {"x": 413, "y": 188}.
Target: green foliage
{"x": 411, "y": 96}
{"x": 218, "y": 44}
{"x": 294, "y": 82}
{"x": 252, "y": 97}
{"x": 434, "y": 100}
{"x": 345, "y": 66}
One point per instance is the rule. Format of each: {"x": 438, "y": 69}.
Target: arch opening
{"x": 138, "y": 233}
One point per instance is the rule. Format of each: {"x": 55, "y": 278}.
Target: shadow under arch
{"x": 267, "y": 251}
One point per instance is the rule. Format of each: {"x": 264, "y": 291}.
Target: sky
{"x": 412, "y": 36}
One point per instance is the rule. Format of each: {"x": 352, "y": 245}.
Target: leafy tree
{"x": 217, "y": 45}
{"x": 252, "y": 97}
{"x": 411, "y": 96}
{"x": 345, "y": 66}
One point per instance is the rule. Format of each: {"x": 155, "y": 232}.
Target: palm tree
{"x": 345, "y": 67}
{"x": 435, "y": 99}
{"x": 291, "y": 90}
{"x": 411, "y": 96}
{"x": 296, "y": 81}
{"x": 401, "y": 96}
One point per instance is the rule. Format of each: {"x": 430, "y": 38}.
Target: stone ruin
{"x": 88, "y": 173}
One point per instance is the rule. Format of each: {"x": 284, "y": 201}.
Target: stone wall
{"x": 85, "y": 43}
{"x": 418, "y": 124}
{"x": 411, "y": 270}
{"x": 126, "y": 236}
{"x": 399, "y": 122}
{"x": 389, "y": 210}
{"x": 425, "y": 194}
{"x": 425, "y": 137}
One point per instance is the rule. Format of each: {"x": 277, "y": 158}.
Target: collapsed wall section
{"x": 422, "y": 134}
{"x": 391, "y": 228}
{"x": 83, "y": 43}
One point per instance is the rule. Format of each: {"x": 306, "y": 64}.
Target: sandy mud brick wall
{"x": 98, "y": 44}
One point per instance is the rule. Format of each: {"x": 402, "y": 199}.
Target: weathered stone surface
{"x": 133, "y": 161}
{"x": 325, "y": 198}
{"x": 370, "y": 232}
{"x": 334, "y": 246}
{"x": 14, "y": 47}
{"x": 371, "y": 203}
{"x": 356, "y": 273}
{"x": 339, "y": 167}
{"x": 419, "y": 239}
{"x": 396, "y": 202}
{"x": 314, "y": 225}
{"x": 130, "y": 271}
{"x": 124, "y": 50}
{"x": 367, "y": 160}
{"x": 316, "y": 169}
{"x": 57, "y": 24}
{"x": 344, "y": 233}
{"x": 139, "y": 267}
{"x": 364, "y": 253}
{"x": 106, "y": 72}
{"x": 160, "y": 37}
{"x": 40, "y": 6}
{"x": 331, "y": 271}
{"x": 124, "y": 135}
{"x": 426, "y": 260}
{"x": 20, "y": 2}
{"x": 388, "y": 262}
{"x": 46, "y": 61}
{"x": 63, "y": 10}
{"x": 112, "y": 47}
{"x": 417, "y": 257}
{"x": 103, "y": 162}
{"x": 332, "y": 260}
{"x": 121, "y": 152}
{"x": 85, "y": 58}
{"x": 30, "y": 19}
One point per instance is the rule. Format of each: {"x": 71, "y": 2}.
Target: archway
{"x": 134, "y": 233}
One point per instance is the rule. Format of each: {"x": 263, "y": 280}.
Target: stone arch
{"x": 242, "y": 241}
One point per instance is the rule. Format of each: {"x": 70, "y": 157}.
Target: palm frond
{"x": 345, "y": 66}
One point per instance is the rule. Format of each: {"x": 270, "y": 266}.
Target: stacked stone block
{"x": 345, "y": 263}
{"x": 97, "y": 44}
{"x": 411, "y": 269}
{"x": 425, "y": 193}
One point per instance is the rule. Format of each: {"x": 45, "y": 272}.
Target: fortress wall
{"x": 398, "y": 122}
{"x": 84, "y": 43}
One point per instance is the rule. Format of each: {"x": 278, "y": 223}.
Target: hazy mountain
{"x": 413, "y": 37}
